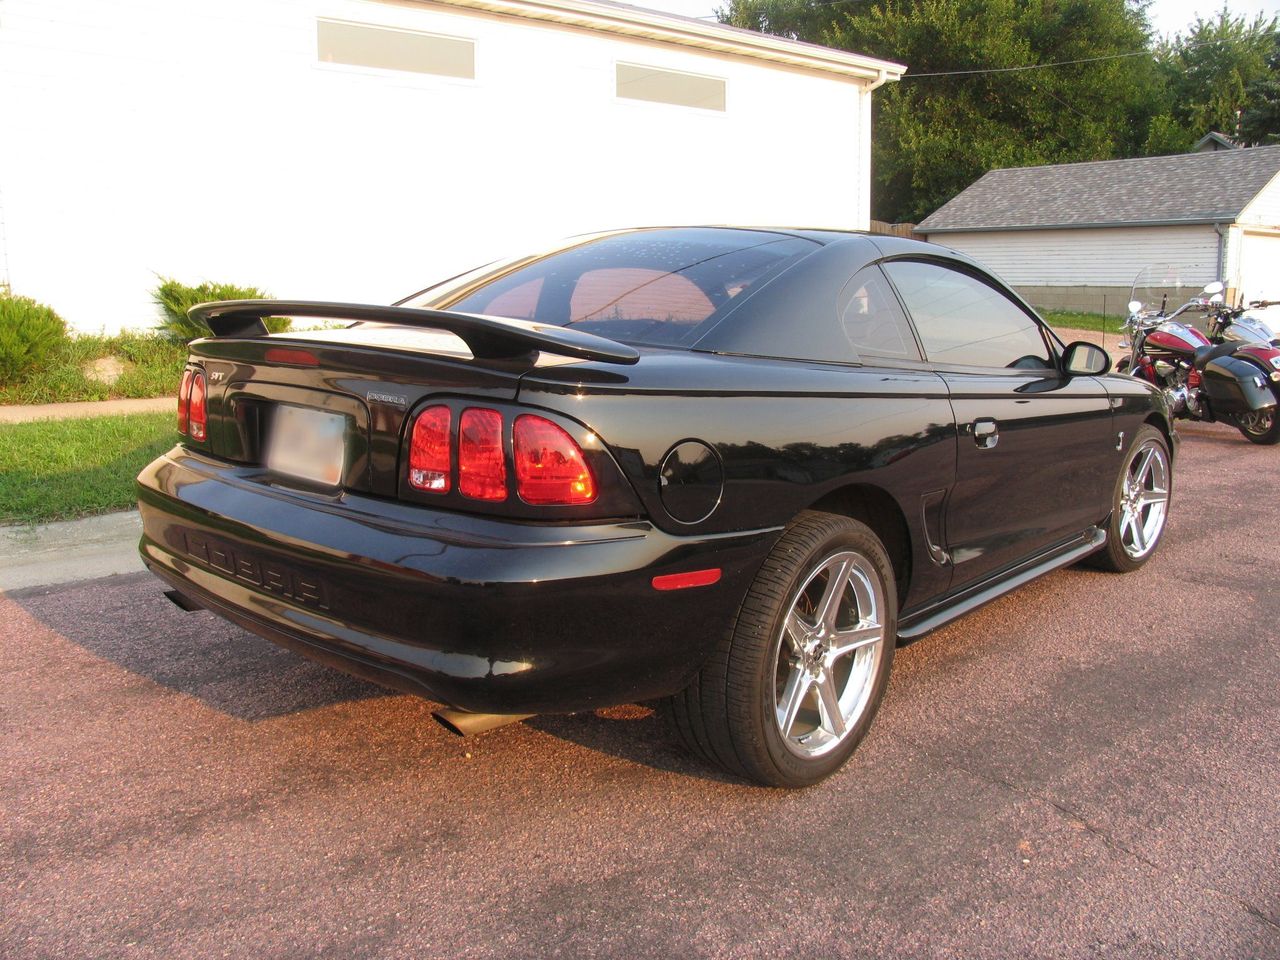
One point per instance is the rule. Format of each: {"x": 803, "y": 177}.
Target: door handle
{"x": 986, "y": 434}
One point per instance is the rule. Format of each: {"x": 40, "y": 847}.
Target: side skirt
{"x": 917, "y": 625}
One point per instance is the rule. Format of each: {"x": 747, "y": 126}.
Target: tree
{"x": 934, "y": 135}
{"x": 1211, "y": 69}
{"x": 1260, "y": 120}
{"x": 1166, "y": 135}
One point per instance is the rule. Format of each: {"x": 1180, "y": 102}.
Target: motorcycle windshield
{"x": 1164, "y": 287}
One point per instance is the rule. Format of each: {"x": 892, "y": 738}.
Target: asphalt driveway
{"x": 1087, "y": 767}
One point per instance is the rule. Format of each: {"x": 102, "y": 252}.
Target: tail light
{"x": 429, "y": 451}
{"x": 550, "y": 468}
{"x": 482, "y": 467}
{"x": 193, "y": 416}
{"x": 197, "y": 412}
{"x": 184, "y": 401}
{"x": 549, "y": 465}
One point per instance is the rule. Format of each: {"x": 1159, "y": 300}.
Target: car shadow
{"x": 635, "y": 733}
{"x": 128, "y": 621}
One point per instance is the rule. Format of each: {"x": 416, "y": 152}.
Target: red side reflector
{"x": 198, "y": 414}
{"x": 550, "y": 468}
{"x": 299, "y": 358}
{"x": 482, "y": 468}
{"x": 680, "y": 581}
{"x": 184, "y": 400}
{"x": 429, "y": 451}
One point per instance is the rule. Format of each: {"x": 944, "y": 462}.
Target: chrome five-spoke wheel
{"x": 1140, "y": 505}
{"x": 827, "y": 653}
{"x": 1144, "y": 498}
{"x": 793, "y": 688}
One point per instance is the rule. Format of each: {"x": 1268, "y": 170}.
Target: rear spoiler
{"x": 488, "y": 338}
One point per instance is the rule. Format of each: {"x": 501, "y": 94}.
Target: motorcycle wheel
{"x": 1262, "y": 428}
{"x": 1139, "y": 505}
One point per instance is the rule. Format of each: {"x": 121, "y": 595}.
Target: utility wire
{"x": 1064, "y": 63}
{"x": 1030, "y": 66}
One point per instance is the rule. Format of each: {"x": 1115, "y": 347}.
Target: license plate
{"x": 307, "y": 444}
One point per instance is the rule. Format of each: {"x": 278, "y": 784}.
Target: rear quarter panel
{"x": 787, "y": 434}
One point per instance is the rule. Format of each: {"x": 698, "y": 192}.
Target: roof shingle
{"x": 1185, "y": 188}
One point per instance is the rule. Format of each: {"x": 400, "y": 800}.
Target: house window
{"x": 387, "y": 48}
{"x": 637, "y": 82}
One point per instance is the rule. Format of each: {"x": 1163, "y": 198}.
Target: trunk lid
{"x": 370, "y": 376}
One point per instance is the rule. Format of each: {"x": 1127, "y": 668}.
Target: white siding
{"x": 204, "y": 141}
{"x": 1109, "y": 257}
{"x": 1264, "y": 209}
{"x": 1254, "y": 265}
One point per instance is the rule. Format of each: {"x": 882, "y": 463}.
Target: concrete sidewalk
{"x": 23, "y": 413}
{"x": 69, "y": 550}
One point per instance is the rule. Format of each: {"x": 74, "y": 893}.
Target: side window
{"x": 962, "y": 320}
{"x": 872, "y": 319}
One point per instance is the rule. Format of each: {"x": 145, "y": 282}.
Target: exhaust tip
{"x": 463, "y": 723}
{"x": 182, "y": 601}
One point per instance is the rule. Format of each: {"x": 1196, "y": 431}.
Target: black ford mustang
{"x": 729, "y": 468}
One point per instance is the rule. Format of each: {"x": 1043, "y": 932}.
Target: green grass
{"x": 153, "y": 367}
{"x": 1075, "y": 320}
{"x": 61, "y": 469}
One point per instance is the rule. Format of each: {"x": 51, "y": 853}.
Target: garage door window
{"x": 962, "y": 320}
{"x": 636, "y": 82}
{"x": 364, "y": 45}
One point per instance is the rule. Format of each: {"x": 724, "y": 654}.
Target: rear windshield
{"x": 660, "y": 287}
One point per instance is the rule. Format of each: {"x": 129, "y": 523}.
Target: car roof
{"x": 888, "y": 244}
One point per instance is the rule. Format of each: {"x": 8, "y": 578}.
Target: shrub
{"x": 153, "y": 368}
{"x": 175, "y": 299}
{"x": 29, "y": 333}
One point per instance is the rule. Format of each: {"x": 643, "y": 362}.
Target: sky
{"x": 1168, "y": 16}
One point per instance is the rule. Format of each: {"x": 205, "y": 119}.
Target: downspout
{"x": 1222, "y": 250}
{"x": 882, "y": 77}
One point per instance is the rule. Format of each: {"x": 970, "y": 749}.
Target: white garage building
{"x": 350, "y": 149}
{"x": 1074, "y": 236}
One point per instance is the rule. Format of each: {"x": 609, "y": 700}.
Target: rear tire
{"x": 1259, "y": 428}
{"x": 790, "y": 692}
{"x": 1139, "y": 504}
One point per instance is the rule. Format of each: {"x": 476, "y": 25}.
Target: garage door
{"x": 1260, "y": 266}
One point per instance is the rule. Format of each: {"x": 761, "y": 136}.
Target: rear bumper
{"x": 480, "y": 614}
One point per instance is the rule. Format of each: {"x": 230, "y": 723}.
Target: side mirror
{"x": 1085, "y": 359}
{"x": 1216, "y": 298}
{"x": 1215, "y": 287}
{"x": 1135, "y": 306}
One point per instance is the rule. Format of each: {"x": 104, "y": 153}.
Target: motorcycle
{"x": 1245, "y": 324}
{"x": 1233, "y": 381}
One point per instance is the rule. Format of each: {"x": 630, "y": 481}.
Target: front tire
{"x": 791, "y": 691}
{"x": 1139, "y": 504}
{"x": 1261, "y": 428}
